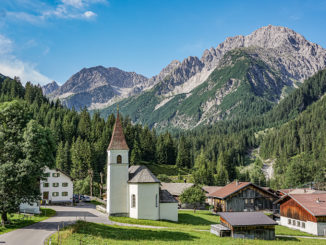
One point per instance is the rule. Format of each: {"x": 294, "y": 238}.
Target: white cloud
{"x": 89, "y": 14}
{"x": 74, "y": 3}
{"x": 11, "y": 66}
{"x": 5, "y": 45}
{"x": 66, "y": 9}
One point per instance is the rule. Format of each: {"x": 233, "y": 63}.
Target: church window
{"x": 133, "y": 200}
{"x": 119, "y": 159}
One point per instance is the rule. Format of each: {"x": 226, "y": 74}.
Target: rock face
{"x": 50, "y": 88}
{"x": 272, "y": 61}
{"x": 96, "y": 86}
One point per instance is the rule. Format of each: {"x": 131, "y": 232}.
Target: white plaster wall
{"x": 133, "y": 190}
{"x": 146, "y": 201}
{"x": 169, "y": 211}
{"x": 117, "y": 186}
{"x": 310, "y": 227}
{"x": 112, "y": 156}
{"x": 61, "y": 179}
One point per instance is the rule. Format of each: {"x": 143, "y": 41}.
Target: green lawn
{"x": 96, "y": 202}
{"x": 201, "y": 220}
{"x": 19, "y": 220}
{"x": 91, "y": 233}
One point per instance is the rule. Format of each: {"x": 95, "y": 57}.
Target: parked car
{"x": 87, "y": 199}
{"x": 76, "y": 198}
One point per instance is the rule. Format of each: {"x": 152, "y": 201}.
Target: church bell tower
{"x": 117, "y": 172}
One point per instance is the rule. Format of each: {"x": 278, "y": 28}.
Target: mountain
{"x": 50, "y": 88}
{"x": 244, "y": 75}
{"x": 96, "y": 86}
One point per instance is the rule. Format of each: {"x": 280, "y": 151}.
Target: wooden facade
{"x": 291, "y": 209}
{"x": 250, "y": 198}
{"x": 262, "y": 232}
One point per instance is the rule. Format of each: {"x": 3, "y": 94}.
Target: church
{"x": 134, "y": 191}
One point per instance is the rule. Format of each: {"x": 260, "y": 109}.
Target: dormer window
{"x": 56, "y": 175}
{"x": 119, "y": 159}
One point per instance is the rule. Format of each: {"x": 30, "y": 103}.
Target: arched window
{"x": 119, "y": 159}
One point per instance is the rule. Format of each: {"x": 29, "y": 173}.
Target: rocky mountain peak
{"x": 50, "y": 88}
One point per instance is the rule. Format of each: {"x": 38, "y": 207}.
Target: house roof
{"x": 246, "y": 218}
{"x": 229, "y": 189}
{"x": 211, "y": 189}
{"x": 176, "y": 189}
{"x": 166, "y": 197}
{"x": 314, "y": 203}
{"x": 300, "y": 191}
{"x": 118, "y": 141}
{"x": 233, "y": 188}
{"x": 141, "y": 174}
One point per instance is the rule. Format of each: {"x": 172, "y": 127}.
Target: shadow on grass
{"x": 287, "y": 239}
{"x": 190, "y": 219}
{"x": 135, "y": 234}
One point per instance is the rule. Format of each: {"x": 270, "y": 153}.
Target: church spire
{"x": 118, "y": 141}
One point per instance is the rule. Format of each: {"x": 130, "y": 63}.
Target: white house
{"x": 134, "y": 191}
{"x": 305, "y": 212}
{"x": 58, "y": 186}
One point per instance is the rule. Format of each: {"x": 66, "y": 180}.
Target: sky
{"x": 42, "y": 41}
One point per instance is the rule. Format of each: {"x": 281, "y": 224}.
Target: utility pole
{"x": 101, "y": 184}
{"x": 91, "y": 173}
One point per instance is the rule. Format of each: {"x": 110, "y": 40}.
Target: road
{"x": 36, "y": 234}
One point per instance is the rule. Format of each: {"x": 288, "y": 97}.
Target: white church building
{"x": 134, "y": 191}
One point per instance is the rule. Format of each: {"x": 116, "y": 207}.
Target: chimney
{"x": 236, "y": 182}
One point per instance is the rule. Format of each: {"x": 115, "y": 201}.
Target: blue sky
{"x": 51, "y": 40}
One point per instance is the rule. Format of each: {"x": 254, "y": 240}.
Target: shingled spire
{"x": 118, "y": 141}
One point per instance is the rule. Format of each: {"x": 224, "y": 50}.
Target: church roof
{"x": 118, "y": 141}
{"x": 141, "y": 174}
{"x": 166, "y": 197}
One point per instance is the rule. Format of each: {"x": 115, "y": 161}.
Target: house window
{"x": 119, "y": 159}
{"x": 252, "y": 201}
{"x": 65, "y": 184}
{"x": 64, "y": 194}
{"x": 246, "y": 201}
{"x": 133, "y": 200}
{"x": 303, "y": 225}
{"x": 45, "y": 184}
{"x": 55, "y": 194}
{"x": 56, "y": 175}
{"x": 298, "y": 223}
{"x": 47, "y": 175}
{"x": 55, "y": 184}
{"x": 293, "y": 222}
{"x": 289, "y": 221}
{"x": 156, "y": 200}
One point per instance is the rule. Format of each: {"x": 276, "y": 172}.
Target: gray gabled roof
{"x": 246, "y": 218}
{"x": 166, "y": 197}
{"x": 141, "y": 174}
{"x": 175, "y": 189}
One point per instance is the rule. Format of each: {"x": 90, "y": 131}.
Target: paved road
{"x": 36, "y": 234}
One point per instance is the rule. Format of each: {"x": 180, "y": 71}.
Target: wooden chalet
{"x": 250, "y": 225}
{"x": 242, "y": 196}
{"x": 305, "y": 212}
